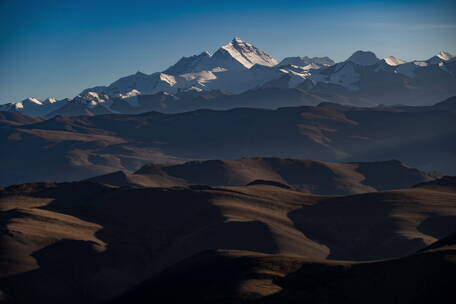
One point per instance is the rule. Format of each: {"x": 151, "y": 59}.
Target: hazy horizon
{"x": 56, "y": 49}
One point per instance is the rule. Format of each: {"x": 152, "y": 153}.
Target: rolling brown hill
{"x": 309, "y": 176}
{"x": 16, "y": 119}
{"x": 74, "y": 148}
{"x": 225, "y": 276}
{"x": 84, "y": 242}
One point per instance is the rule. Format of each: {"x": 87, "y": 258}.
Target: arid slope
{"x": 86, "y": 242}
{"x": 309, "y": 176}
{"x": 246, "y": 277}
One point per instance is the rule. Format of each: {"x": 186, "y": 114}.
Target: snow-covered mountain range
{"x": 239, "y": 67}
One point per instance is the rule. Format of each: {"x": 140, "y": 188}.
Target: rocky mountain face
{"x": 305, "y": 61}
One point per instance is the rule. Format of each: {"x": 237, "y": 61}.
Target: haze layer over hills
{"x": 65, "y": 148}
{"x": 236, "y": 74}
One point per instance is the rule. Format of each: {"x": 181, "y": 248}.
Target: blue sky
{"x": 57, "y": 48}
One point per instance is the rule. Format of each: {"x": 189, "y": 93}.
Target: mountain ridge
{"x": 73, "y": 148}
{"x": 305, "y": 175}
{"x": 238, "y": 67}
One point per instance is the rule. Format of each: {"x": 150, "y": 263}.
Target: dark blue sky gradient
{"x": 57, "y": 48}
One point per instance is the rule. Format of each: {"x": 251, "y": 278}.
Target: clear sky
{"x": 57, "y": 48}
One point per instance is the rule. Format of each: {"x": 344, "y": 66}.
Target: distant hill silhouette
{"x": 305, "y": 175}
{"x": 74, "y": 148}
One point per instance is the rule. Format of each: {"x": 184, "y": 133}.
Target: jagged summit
{"x": 393, "y": 61}
{"x": 50, "y": 100}
{"x": 235, "y": 55}
{"x": 239, "y": 66}
{"x": 440, "y": 57}
{"x": 247, "y": 54}
{"x": 363, "y": 58}
{"x": 237, "y": 40}
{"x": 192, "y": 64}
{"x": 32, "y": 100}
{"x": 304, "y": 61}
{"x": 445, "y": 55}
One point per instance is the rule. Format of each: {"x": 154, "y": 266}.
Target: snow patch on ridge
{"x": 440, "y": 57}
{"x": 393, "y": 61}
{"x": 33, "y": 100}
{"x": 305, "y": 61}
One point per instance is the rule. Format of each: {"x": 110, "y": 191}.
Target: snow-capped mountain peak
{"x": 50, "y": 100}
{"x": 440, "y": 57}
{"x": 363, "y": 58}
{"x": 247, "y": 54}
{"x": 393, "y": 61}
{"x": 32, "y": 100}
{"x": 445, "y": 56}
{"x": 237, "y": 55}
{"x": 238, "y": 67}
{"x": 192, "y": 64}
{"x": 237, "y": 40}
{"x": 92, "y": 96}
{"x": 33, "y": 106}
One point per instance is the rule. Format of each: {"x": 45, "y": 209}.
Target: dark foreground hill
{"x": 74, "y": 148}
{"x": 84, "y": 242}
{"x": 225, "y": 276}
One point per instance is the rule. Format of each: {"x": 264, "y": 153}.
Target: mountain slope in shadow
{"x": 223, "y": 276}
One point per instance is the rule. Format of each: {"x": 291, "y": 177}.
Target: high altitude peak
{"x": 363, "y": 58}
{"x": 445, "y": 56}
{"x": 32, "y": 100}
{"x": 239, "y": 43}
{"x": 237, "y": 40}
{"x": 245, "y": 54}
{"x": 305, "y": 61}
{"x": 393, "y": 61}
{"x": 205, "y": 54}
{"x": 440, "y": 57}
{"x": 50, "y": 100}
